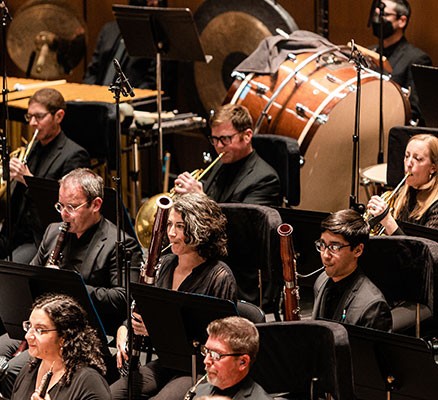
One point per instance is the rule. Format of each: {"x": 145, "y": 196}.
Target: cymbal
{"x": 46, "y": 39}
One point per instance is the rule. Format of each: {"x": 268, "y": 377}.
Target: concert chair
{"x": 254, "y": 253}
{"x": 283, "y": 154}
{"x": 404, "y": 269}
{"x": 304, "y": 359}
{"x": 250, "y": 311}
{"x": 92, "y": 125}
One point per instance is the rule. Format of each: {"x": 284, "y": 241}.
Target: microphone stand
{"x": 358, "y": 59}
{"x": 5, "y": 16}
{"x": 381, "y": 6}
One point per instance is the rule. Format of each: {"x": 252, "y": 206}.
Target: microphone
{"x": 123, "y": 78}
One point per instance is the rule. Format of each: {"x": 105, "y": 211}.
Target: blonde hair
{"x": 428, "y": 193}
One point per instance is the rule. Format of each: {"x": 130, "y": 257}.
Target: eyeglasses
{"x": 27, "y": 327}
{"x": 332, "y": 248}
{"x": 225, "y": 140}
{"x": 215, "y": 356}
{"x": 37, "y": 116}
{"x": 69, "y": 209}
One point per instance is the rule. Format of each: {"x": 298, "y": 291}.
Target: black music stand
{"x": 160, "y": 33}
{"x": 177, "y": 322}
{"x": 20, "y": 284}
{"x": 403, "y": 367}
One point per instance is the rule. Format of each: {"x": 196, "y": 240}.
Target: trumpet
{"x": 388, "y": 197}
{"x": 145, "y": 217}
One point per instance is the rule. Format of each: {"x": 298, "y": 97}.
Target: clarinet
{"x": 192, "y": 391}
{"x": 45, "y": 381}
{"x": 291, "y": 289}
{"x": 147, "y": 273}
{"x": 55, "y": 255}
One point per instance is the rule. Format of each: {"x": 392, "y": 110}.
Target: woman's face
{"x": 175, "y": 233}
{"x": 418, "y": 163}
{"x": 44, "y": 345}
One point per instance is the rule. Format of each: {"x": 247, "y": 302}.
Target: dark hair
{"x": 402, "y": 7}
{"x": 49, "y": 98}
{"x": 88, "y": 180}
{"x": 348, "y": 223}
{"x": 239, "y": 333}
{"x": 82, "y": 346}
{"x": 237, "y": 114}
{"x": 205, "y": 224}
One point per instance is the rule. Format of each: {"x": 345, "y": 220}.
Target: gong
{"x": 46, "y": 39}
{"x": 230, "y": 30}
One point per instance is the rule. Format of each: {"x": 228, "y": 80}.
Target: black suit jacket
{"x": 98, "y": 268}
{"x": 402, "y": 55}
{"x": 256, "y": 183}
{"x": 363, "y": 305}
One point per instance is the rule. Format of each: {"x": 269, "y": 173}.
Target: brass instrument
{"x": 291, "y": 288}
{"x": 145, "y": 216}
{"x": 388, "y": 197}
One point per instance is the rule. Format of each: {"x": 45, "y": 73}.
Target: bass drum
{"x": 312, "y": 98}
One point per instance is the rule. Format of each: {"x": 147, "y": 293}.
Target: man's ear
{"x": 358, "y": 250}
{"x": 244, "y": 361}
{"x": 402, "y": 21}
{"x": 59, "y": 115}
{"x": 97, "y": 203}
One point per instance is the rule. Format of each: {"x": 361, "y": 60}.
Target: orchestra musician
{"x": 400, "y": 53}
{"x": 89, "y": 248}
{"x": 229, "y": 352}
{"x": 240, "y": 176}
{"x": 417, "y": 201}
{"x": 65, "y": 350}
{"x": 52, "y": 156}
{"x": 342, "y": 291}
{"x": 196, "y": 232}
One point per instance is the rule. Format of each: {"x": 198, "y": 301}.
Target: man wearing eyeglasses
{"x": 229, "y": 353}
{"x": 400, "y": 53}
{"x": 51, "y": 156}
{"x": 343, "y": 292}
{"x": 240, "y": 176}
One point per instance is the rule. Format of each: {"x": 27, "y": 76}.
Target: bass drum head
{"x": 229, "y": 30}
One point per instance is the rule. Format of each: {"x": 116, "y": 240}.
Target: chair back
{"x": 294, "y": 354}
{"x": 250, "y": 311}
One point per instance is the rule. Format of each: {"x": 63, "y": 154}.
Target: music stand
{"x": 426, "y": 82}
{"x": 177, "y": 322}
{"x": 161, "y": 33}
{"x": 403, "y": 367}
{"x": 20, "y": 285}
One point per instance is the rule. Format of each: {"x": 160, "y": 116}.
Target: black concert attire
{"x": 93, "y": 255}
{"x": 51, "y": 161}
{"x": 401, "y": 56}
{"x": 250, "y": 180}
{"x": 429, "y": 218}
{"x": 153, "y": 381}
{"x": 353, "y": 300}
{"x": 245, "y": 389}
{"x": 86, "y": 384}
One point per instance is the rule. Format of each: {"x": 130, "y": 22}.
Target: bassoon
{"x": 148, "y": 271}
{"x": 288, "y": 260}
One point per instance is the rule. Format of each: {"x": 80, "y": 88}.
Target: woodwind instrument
{"x": 147, "y": 272}
{"x": 45, "y": 381}
{"x": 291, "y": 289}
{"x": 55, "y": 255}
{"x": 192, "y": 391}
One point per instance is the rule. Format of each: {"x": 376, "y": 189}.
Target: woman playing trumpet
{"x": 417, "y": 201}
{"x": 64, "y": 349}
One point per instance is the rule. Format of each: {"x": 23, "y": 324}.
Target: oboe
{"x": 55, "y": 255}
{"x": 291, "y": 289}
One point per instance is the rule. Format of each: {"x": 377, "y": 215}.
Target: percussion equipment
{"x": 312, "y": 99}
{"x": 373, "y": 179}
{"x": 46, "y": 39}
{"x": 230, "y": 30}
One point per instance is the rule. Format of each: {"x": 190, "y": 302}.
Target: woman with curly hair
{"x": 196, "y": 232}
{"x": 61, "y": 341}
